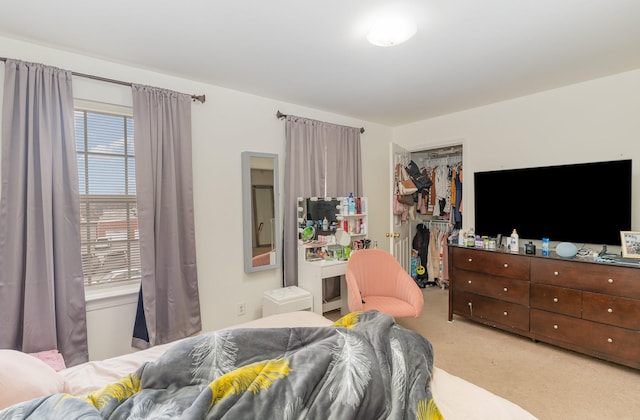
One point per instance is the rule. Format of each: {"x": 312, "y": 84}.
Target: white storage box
{"x": 286, "y": 299}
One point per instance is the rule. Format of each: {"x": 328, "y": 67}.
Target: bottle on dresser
{"x": 514, "y": 246}
{"x": 546, "y": 251}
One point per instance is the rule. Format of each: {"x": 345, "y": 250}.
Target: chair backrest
{"x": 374, "y": 272}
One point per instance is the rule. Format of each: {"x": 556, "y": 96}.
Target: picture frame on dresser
{"x": 630, "y": 241}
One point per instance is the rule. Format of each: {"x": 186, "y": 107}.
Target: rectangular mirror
{"x": 262, "y": 247}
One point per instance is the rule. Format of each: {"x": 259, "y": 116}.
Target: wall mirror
{"x": 262, "y": 247}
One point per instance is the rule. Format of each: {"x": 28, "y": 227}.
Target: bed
{"x": 41, "y": 388}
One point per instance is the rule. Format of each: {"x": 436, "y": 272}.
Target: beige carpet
{"x": 549, "y": 382}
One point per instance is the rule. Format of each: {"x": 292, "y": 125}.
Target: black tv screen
{"x": 588, "y": 203}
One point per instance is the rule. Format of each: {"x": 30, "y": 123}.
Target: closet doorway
{"x": 437, "y": 211}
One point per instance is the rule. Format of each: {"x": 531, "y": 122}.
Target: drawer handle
{"x": 555, "y": 300}
{"x": 610, "y": 281}
{"x": 610, "y": 310}
{"x": 469, "y": 281}
{"x": 506, "y": 265}
{"x": 609, "y": 340}
{"x": 505, "y": 313}
{"x": 470, "y": 259}
{"x": 505, "y": 289}
{"x": 555, "y": 326}
{"x": 555, "y": 273}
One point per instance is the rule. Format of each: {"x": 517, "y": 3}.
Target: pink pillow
{"x": 51, "y": 357}
{"x": 23, "y": 377}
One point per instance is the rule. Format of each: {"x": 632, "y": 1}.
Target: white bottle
{"x": 514, "y": 246}
{"x": 325, "y": 224}
{"x": 344, "y": 208}
{"x": 462, "y": 238}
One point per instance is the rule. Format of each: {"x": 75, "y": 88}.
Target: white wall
{"x": 592, "y": 121}
{"x": 228, "y": 123}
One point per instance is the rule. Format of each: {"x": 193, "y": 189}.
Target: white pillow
{"x": 24, "y": 377}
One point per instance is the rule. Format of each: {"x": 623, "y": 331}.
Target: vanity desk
{"x": 329, "y": 218}
{"x": 311, "y": 276}
{"x": 581, "y": 305}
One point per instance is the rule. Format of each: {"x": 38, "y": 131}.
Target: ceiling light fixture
{"x": 389, "y": 32}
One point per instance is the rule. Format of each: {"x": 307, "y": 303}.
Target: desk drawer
{"x": 333, "y": 270}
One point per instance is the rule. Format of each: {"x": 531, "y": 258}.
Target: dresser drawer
{"x": 492, "y": 311}
{"x": 592, "y": 337}
{"x": 611, "y": 310}
{"x": 556, "y": 299}
{"x": 492, "y": 262}
{"x": 516, "y": 291}
{"x": 598, "y": 278}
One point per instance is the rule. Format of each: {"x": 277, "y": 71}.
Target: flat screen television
{"x": 587, "y": 203}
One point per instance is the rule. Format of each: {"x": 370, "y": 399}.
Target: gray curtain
{"x": 42, "y": 304}
{"x": 322, "y": 160}
{"x": 169, "y": 308}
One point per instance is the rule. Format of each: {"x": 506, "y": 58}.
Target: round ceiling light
{"x": 391, "y": 31}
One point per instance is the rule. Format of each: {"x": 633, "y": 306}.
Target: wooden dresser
{"x": 588, "y": 307}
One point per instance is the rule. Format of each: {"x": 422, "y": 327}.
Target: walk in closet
{"x": 438, "y": 212}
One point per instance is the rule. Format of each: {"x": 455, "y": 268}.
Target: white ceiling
{"x": 466, "y": 53}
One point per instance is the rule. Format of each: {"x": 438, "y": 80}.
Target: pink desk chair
{"x": 375, "y": 280}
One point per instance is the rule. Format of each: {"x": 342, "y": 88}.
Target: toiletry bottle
{"x": 344, "y": 207}
{"x": 325, "y": 224}
{"x": 546, "y": 251}
{"x": 462, "y": 238}
{"x": 471, "y": 238}
{"x": 513, "y": 242}
{"x": 352, "y": 204}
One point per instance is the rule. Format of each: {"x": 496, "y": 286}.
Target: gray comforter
{"x": 364, "y": 367}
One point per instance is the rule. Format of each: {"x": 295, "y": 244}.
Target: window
{"x": 108, "y": 212}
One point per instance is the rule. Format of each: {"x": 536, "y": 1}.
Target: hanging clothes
{"x": 433, "y": 257}
{"x": 456, "y": 196}
{"x": 420, "y": 242}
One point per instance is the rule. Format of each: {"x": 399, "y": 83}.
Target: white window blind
{"x": 107, "y": 183}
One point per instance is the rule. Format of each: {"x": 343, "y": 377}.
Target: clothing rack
{"x": 448, "y": 161}
{"x": 442, "y": 224}
{"x": 195, "y": 98}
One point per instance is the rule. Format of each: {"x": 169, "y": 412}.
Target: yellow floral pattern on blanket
{"x": 120, "y": 391}
{"x": 428, "y": 410}
{"x": 350, "y": 320}
{"x": 254, "y": 377}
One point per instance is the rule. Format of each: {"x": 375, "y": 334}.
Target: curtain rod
{"x": 280, "y": 116}
{"x": 199, "y": 98}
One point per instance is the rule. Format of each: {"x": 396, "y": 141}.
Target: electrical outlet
{"x": 241, "y": 309}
